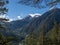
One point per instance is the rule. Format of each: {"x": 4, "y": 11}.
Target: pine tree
{"x": 6, "y": 40}
{"x": 42, "y": 38}
{"x": 54, "y": 34}
{"x": 3, "y": 9}
{"x": 30, "y": 40}
{"x": 39, "y": 3}
{"x": 57, "y": 33}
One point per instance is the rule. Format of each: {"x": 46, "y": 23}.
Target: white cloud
{"x": 32, "y": 15}
{"x": 13, "y": 19}
{"x": 36, "y": 14}
{"x": 10, "y": 20}
{"x": 19, "y": 17}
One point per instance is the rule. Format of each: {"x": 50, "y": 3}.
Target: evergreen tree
{"x": 57, "y": 31}
{"x": 3, "y": 9}
{"x": 6, "y": 40}
{"x": 42, "y": 38}
{"x": 39, "y": 3}
{"x": 54, "y": 34}
{"x": 30, "y": 40}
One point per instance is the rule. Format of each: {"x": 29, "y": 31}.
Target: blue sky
{"x": 22, "y": 10}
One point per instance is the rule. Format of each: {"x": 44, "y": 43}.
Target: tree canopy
{"x": 40, "y": 3}
{"x": 3, "y": 8}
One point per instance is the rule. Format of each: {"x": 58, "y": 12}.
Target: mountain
{"x": 19, "y": 24}
{"x": 13, "y": 25}
{"x": 44, "y": 30}
{"x": 11, "y": 30}
{"x": 47, "y": 20}
{"x": 36, "y": 24}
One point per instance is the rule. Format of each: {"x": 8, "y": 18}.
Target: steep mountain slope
{"x": 47, "y": 20}
{"x": 23, "y": 23}
{"x": 13, "y": 28}
{"x": 44, "y": 30}
{"x": 37, "y": 25}
{"x": 20, "y": 23}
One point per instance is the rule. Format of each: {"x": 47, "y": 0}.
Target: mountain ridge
{"x": 28, "y": 25}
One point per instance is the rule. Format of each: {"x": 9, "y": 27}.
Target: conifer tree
{"x": 39, "y": 3}
{"x": 30, "y": 40}
{"x": 3, "y": 9}
{"x": 54, "y": 34}
{"x": 57, "y": 36}
{"x": 42, "y": 37}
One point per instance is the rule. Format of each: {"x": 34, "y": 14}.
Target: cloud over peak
{"x": 19, "y": 17}
{"x": 36, "y": 14}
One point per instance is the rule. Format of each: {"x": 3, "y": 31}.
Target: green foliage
{"x": 54, "y": 34}
{"x": 6, "y": 40}
{"x": 50, "y": 38}
{"x": 30, "y": 40}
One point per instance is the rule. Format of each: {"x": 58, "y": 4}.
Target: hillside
{"x": 41, "y": 30}
{"x": 44, "y": 30}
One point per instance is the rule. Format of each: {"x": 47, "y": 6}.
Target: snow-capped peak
{"x": 35, "y": 15}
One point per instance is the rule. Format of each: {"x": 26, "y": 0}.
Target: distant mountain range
{"x": 34, "y": 24}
